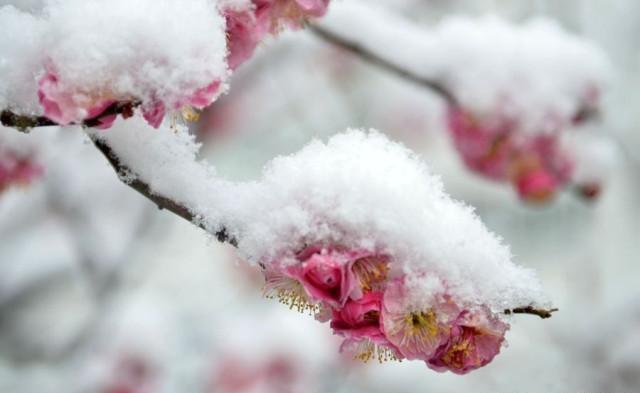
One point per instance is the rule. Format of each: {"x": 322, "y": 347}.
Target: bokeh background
{"x": 101, "y": 292}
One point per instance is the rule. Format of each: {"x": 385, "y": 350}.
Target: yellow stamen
{"x": 189, "y": 114}
{"x": 422, "y": 324}
{"x": 371, "y": 272}
{"x": 367, "y": 350}
{"x": 290, "y": 293}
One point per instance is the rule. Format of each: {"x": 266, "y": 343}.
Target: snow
{"x": 21, "y": 48}
{"x": 147, "y": 50}
{"x": 594, "y": 153}
{"x": 534, "y": 72}
{"x": 236, "y": 5}
{"x": 358, "y": 190}
{"x": 73, "y": 206}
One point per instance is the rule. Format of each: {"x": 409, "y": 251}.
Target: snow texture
{"x": 534, "y": 72}
{"x": 594, "y": 153}
{"x": 112, "y": 49}
{"x": 358, "y": 190}
{"x": 21, "y": 49}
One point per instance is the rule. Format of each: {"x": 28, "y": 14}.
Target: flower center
{"x": 457, "y": 353}
{"x": 422, "y": 324}
{"x": 371, "y": 272}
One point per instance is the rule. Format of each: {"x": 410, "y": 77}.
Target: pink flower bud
{"x": 536, "y": 186}
{"x": 325, "y": 274}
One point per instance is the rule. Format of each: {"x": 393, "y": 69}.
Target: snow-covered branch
{"x": 514, "y": 93}
{"x": 357, "y": 230}
{"x": 143, "y": 188}
{"x": 24, "y": 123}
{"x": 362, "y": 51}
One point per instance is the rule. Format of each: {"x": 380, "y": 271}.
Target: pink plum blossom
{"x": 65, "y": 106}
{"x": 359, "y": 323}
{"x": 382, "y": 317}
{"x": 243, "y": 36}
{"x": 360, "y": 319}
{"x": 154, "y": 113}
{"x": 475, "y": 339}
{"x": 535, "y": 164}
{"x": 325, "y": 274}
{"x": 15, "y": 170}
{"x": 486, "y": 150}
{"x": 289, "y": 13}
{"x": 536, "y": 186}
{"x": 247, "y": 28}
{"x": 202, "y": 97}
{"x": 417, "y": 329}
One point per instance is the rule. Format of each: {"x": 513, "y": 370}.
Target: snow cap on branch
{"x": 249, "y": 21}
{"x": 362, "y": 191}
{"x": 514, "y": 90}
{"x": 21, "y": 48}
{"x": 85, "y": 55}
{"x": 357, "y": 191}
{"x": 534, "y": 73}
{"x": 356, "y": 231}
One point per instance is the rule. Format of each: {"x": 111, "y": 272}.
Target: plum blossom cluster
{"x": 514, "y": 90}
{"x": 78, "y": 60}
{"x": 536, "y": 165}
{"x": 249, "y": 21}
{"x": 381, "y": 317}
{"x": 356, "y": 231}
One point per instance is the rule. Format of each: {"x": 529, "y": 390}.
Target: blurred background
{"x": 101, "y": 292}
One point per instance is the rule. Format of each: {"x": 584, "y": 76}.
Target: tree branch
{"x": 24, "y": 123}
{"x": 383, "y": 63}
{"x": 583, "y": 114}
{"x": 542, "y": 313}
{"x": 162, "y": 202}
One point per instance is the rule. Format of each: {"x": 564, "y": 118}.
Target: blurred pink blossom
{"x": 15, "y": 170}
{"x": 247, "y": 28}
{"x": 536, "y": 186}
{"x": 534, "y": 164}
{"x": 278, "y": 373}
{"x": 131, "y": 375}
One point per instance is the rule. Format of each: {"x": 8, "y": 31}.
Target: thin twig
{"x": 383, "y": 63}
{"x": 24, "y": 123}
{"x": 162, "y": 202}
{"x": 126, "y": 109}
{"x": 542, "y": 313}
